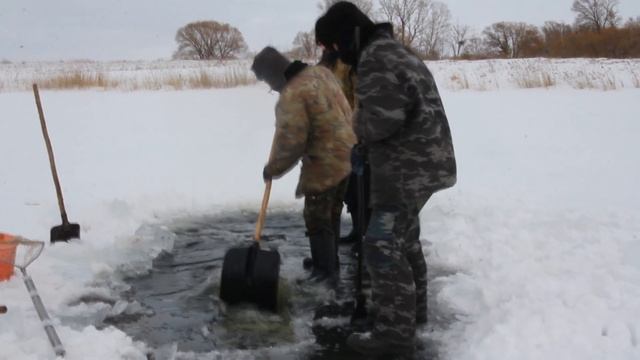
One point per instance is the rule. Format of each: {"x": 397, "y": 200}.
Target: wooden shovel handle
{"x": 52, "y": 160}
{"x": 263, "y": 211}
{"x": 265, "y": 198}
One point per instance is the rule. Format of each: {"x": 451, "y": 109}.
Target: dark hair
{"x": 323, "y": 34}
{"x": 338, "y": 26}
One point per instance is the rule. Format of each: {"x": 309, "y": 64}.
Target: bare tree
{"x": 459, "y": 36}
{"x": 305, "y": 45}
{"x": 633, "y": 23}
{"x": 366, "y": 6}
{"x": 476, "y": 47}
{"x": 553, "y": 29}
{"x": 408, "y": 18}
{"x": 596, "y": 14}
{"x": 556, "y": 36}
{"x": 498, "y": 37}
{"x": 422, "y": 25}
{"x": 511, "y": 39}
{"x": 435, "y": 30}
{"x": 207, "y": 40}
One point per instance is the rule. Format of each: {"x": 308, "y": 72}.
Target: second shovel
{"x": 66, "y": 231}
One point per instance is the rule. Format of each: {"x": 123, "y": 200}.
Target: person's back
{"x": 416, "y": 151}
{"x": 313, "y": 121}
{"x": 401, "y": 122}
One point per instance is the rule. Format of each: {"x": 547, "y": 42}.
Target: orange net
{"x": 16, "y": 251}
{"x": 7, "y": 256}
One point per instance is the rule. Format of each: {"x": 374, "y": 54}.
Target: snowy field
{"x": 541, "y": 233}
{"x": 485, "y": 75}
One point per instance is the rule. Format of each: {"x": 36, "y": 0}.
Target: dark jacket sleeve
{"x": 382, "y": 99}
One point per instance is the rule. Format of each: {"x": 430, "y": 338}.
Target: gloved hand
{"x": 266, "y": 174}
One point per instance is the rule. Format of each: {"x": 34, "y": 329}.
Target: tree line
{"x": 426, "y": 27}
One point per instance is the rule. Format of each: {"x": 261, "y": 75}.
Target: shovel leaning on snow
{"x": 66, "y": 231}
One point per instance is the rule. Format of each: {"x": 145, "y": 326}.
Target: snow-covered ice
{"x": 541, "y": 232}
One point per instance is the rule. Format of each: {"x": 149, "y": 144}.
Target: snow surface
{"x": 541, "y": 233}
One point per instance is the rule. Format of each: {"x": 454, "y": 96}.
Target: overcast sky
{"x": 145, "y": 29}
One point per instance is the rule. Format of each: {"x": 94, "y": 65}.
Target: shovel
{"x": 66, "y": 231}
{"x": 250, "y": 274}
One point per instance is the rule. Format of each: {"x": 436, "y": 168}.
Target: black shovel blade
{"x": 234, "y": 286}
{"x": 65, "y": 232}
{"x": 250, "y": 275}
{"x": 265, "y": 275}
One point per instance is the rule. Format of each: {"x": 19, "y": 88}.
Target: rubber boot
{"x": 324, "y": 256}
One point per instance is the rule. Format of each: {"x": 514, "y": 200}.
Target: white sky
{"x": 145, "y": 29}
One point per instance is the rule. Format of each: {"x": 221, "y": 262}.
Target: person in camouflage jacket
{"x": 347, "y": 78}
{"x": 400, "y": 120}
{"x": 313, "y": 124}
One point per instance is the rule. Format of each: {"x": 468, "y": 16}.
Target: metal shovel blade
{"x": 65, "y": 232}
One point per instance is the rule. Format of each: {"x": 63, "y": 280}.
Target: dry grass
{"x": 635, "y": 79}
{"x": 231, "y": 78}
{"x": 604, "y": 82}
{"x": 460, "y": 81}
{"x": 77, "y": 80}
{"x": 200, "y": 80}
{"x": 485, "y": 75}
{"x": 531, "y": 80}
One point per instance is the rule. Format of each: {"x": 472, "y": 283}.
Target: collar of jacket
{"x": 294, "y": 69}
{"x": 378, "y": 31}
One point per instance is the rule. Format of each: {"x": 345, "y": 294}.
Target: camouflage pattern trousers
{"x": 322, "y": 211}
{"x": 395, "y": 261}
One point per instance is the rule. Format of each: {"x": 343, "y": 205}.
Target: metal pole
{"x": 360, "y": 312}
{"x": 44, "y": 316}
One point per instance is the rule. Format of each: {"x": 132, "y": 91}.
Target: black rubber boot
{"x": 324, "y": 255}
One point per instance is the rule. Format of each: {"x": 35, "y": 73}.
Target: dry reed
{"x": 95, "y": 80}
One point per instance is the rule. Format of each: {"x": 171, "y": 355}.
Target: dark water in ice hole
{"x": 181, "y": 309}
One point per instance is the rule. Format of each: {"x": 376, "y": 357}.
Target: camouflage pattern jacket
{"x": 401, "y": 121}
{"x": 313, "y": 123}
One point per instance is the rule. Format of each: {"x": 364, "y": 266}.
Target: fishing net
{"x": 17, "y": 251}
